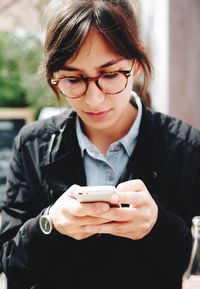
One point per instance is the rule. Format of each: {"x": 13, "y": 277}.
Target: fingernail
{"x": 115, "y": 199}
{"x": 88, "y": 229}
{"x": 104, "y": 207}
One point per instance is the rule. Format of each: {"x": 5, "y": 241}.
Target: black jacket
{"x": 47, "y": 160}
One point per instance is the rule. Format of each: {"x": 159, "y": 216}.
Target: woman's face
{"x": 99, "y": 111}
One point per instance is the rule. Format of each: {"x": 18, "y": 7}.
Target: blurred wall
{"x": 21, "y": 14}
{"x": 184, "y": 71}
{"x": 170, "y": 28}
{"x": 154, "y": 19}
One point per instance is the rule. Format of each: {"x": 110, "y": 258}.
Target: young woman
{"x": 49, "y": 239}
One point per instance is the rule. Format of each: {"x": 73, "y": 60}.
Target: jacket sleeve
{"x": 24, "y": 249}
{"x": 169, "y": 244}
{"x": 168, "y": 247}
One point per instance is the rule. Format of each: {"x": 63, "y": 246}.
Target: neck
{"x": 105, "y": 137}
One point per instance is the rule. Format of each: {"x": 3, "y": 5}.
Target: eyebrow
{"x": 105, "y": 65}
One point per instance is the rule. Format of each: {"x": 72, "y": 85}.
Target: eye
{"x": 110, "y": 75}
{"x": 73, "y": 80}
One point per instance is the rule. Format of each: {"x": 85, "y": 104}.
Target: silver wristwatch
{"x": 45, "y": 222}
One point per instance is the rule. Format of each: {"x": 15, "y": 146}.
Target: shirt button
{"x": 111, "y": 177}
{"x": 154, "y": 175}
{"x": 92, "y": 153}
{"x": 118, "y": 147}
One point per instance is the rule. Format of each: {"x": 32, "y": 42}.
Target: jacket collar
{"x": 146, "y": 159}
{"x": 65, "y": 166}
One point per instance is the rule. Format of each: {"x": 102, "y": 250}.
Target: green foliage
{"x": 21, "y": 82}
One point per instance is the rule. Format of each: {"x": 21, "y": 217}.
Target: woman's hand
{"x": 70, "y": 217}
{"x": 135, "y": 221}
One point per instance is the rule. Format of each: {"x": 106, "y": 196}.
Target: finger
{"x": 89, "y": 221}
{"x": 82, "y": 209}
{"x": 123, "y": 229}
{"x": 132, "y": 235}
{"x": 71, "y": 190}
{"x": 91, "y": 209}
{"x": 73, "y": 225}
{"x": 100, "y": 229}
{"x": 135, "y": 198}
{"x": 132, "y": 185}
{"x": 120, "y": 214}
{"x": 84, "y": 221}
{"x": 113, "y": 228}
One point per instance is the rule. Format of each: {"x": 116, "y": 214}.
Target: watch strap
{"x": 45, "y": 222}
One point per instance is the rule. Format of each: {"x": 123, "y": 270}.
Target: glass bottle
{"x": 191, "y": 278}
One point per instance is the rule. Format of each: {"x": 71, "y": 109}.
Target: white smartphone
{"x": 87, "y": 194}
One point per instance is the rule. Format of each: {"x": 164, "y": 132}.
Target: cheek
{"x": 130, "y": 83}
{"x": 126, "y": 94}
{"x": 74, "y": 103}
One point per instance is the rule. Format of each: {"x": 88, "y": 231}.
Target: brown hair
{"x": 69, "y": 21}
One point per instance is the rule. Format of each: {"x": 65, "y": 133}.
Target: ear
{"x": 136, "y": 68}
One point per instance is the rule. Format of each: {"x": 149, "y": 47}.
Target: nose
{"x": 94, "y": 96}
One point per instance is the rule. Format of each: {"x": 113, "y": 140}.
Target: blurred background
{"x": 169, "y": 29}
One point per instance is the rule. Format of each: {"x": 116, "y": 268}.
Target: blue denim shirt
{"x": 106, "y": 170}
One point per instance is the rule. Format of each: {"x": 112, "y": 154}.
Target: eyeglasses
{"x": 108, "y": 82}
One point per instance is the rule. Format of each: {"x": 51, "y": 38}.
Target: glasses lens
{"x": 72, "y": 86}
{"x": 113, "y": 82}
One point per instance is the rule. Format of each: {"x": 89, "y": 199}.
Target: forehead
{"x": 94, "y": 52}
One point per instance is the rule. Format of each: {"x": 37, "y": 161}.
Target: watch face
{"x": 45, "y": 224}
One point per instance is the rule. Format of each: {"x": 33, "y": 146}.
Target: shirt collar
{"x": 127, "y": 141}
{"x": 83, "y": 140}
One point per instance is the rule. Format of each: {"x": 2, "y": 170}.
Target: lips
{"x": 98, "y": 115}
